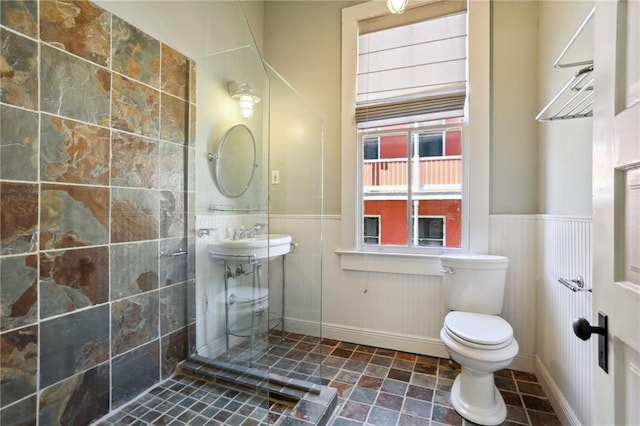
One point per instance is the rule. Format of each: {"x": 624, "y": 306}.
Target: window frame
{"x": 477, "y": 109}
{"x": 410, "y": 132}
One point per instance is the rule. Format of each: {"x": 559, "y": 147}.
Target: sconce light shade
{"x": 396, "y": 6}
{"x": 243, "y": 93}
{"x": 246, "y": 105}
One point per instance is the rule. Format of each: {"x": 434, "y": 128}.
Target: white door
{"x": 616, "y": 209}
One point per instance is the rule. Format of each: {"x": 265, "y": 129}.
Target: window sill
{"x": 395, "y": 263}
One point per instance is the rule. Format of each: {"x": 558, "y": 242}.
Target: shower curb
{"x": 311, "y": 404}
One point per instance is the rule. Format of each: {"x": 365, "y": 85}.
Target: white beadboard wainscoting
{"x": 399, "y": 311}
{"x": 304, "y": 273}
{"x": 564, "y": 363}
{"x": 405, "y": 312}
{"x": 516, "y": 236}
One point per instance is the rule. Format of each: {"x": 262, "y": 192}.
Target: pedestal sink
{"x": 259, "y": 247}
{"x": 250, "y": 304}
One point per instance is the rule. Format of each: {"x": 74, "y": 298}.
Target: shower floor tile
{"x": 375, "y": 386}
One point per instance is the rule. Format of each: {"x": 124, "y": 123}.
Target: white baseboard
{"x": 382, "y": 339}
{"x": 523, "y": 362}
{"x": 218, "y": 347}
{"x": 406, "y": 343}
{"x": 361, "y": 336}
{"x": 308, "y": 328}
{"x": 559, "y": 403}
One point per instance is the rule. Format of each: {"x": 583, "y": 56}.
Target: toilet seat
{"x": 474, "y": 394}
{"x": 480, "y": 331}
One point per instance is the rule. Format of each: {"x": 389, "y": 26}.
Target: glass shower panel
{"x": 257, "y": 224}
{"x": 232, "y": 286}
{"x": 295, "y": 209}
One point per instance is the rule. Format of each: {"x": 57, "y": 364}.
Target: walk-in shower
{"x": 132, "y": 147}
{"x": 258, "y": 178}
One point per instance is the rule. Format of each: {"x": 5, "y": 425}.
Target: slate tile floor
{"x": 375, "y": 386}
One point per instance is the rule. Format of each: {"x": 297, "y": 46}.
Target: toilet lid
{"x": 479, "y": 329}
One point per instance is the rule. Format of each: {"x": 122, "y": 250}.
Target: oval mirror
{"x": 235, "y": 161}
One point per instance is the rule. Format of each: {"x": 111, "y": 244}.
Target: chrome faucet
{"x": 242, "y": 232}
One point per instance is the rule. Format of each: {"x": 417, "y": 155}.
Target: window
{"x": 431, "y": 144}
{"x": 371, "y": 229}
{"x": 431, "y": 231}
{"x": 371, "y": 147}
{"x": 432, "y": 134}
{"x": 411, "y": 90}
{"x": 415, "y": 172}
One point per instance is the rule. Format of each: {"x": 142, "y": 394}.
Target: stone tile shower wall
{"x": 95, "y": 125}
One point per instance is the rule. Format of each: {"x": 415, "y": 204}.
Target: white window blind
{"x": 417, "y": 69}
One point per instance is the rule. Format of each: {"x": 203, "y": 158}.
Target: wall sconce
{"x": 396, "y": 6}
{"x": 243, "y": 93}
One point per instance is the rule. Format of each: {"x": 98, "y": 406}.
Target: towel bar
{"x": 575, "y": 285}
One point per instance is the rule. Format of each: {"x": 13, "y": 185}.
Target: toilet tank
{"x": 474, "y": 282}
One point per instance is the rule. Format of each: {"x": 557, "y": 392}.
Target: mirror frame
{"x": 217, "y": 158}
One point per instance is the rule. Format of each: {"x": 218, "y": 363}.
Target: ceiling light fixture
{"x": 243, "y": 93}
{"x": 396, "y": 6}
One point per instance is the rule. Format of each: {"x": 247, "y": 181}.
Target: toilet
{"x": 474, "y": 335}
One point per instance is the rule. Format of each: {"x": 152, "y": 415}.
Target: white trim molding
{"x": 395, "y": 341}
{"x": 557, "y": 399}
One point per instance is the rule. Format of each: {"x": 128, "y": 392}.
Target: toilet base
{"x": 488, "y": 414}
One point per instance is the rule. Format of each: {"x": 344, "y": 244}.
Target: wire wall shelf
{"x": 575, "y": 98}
